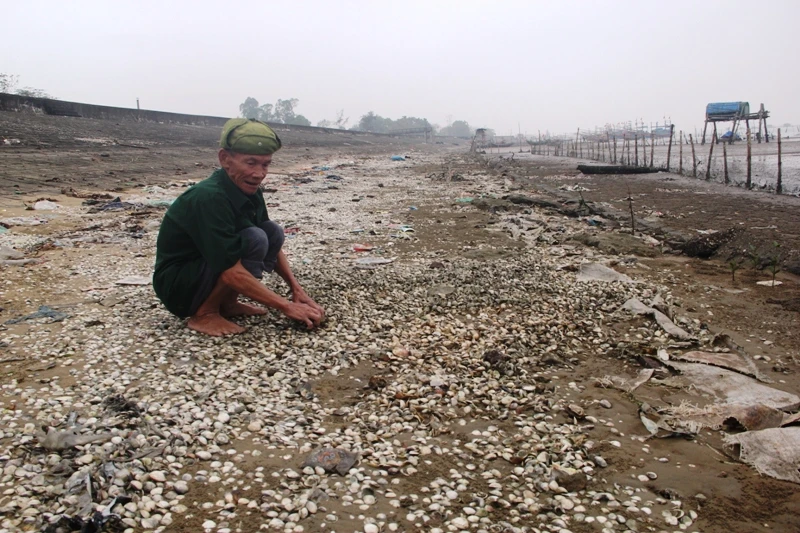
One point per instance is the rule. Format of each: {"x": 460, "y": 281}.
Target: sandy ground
{"x": 727, "y": 495}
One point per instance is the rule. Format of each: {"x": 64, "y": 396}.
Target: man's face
{"x": 246, "y": 171}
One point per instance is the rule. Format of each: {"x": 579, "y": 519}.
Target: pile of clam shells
{"x": 435, "y": 392}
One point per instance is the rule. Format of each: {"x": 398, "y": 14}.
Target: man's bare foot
{"x": 240, "y": 309}
{"x": 213, "y": 324}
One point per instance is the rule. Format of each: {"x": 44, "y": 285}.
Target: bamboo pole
{"x": 577, "y": 135}
{"x": 669, "y": 148}
{"x": 615, "y": 149}
{"x": 680, "y": 153}
{"x": 710, "y": 154}
{"x": 779, "y": 186}
{"x": 636, "y": 149}
{"x": 725, "y": 162}
{"x": 652, "y": 147}
{"x": 694, "y": 158}
{"x": 749, "y": 183}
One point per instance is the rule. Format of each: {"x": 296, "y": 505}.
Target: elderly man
{"x": 216, "y": 240}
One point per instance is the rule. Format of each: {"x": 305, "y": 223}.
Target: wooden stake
{"x": 710, "y": 154}
{"x": 725, "y": 162}
{"x": 636, "y": 149}
{"x": 779, "y": 186}
{"x": 669, "y": 148}
{"x": 680, "y": 153}
{"x": 749, "y": 183}
{"x": 652, "y": 147}
{"x": 694, "y": 158}
{"x": 615, "y": 149}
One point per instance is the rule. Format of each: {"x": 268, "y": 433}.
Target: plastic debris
{"x": 10, "y": 253}
{"x": 729, "y": 387}
{"x": 598, "y": 272}
{"x": 769, "y": 283}
{"x": 638, "y": 308}
{"x": 413, "y": 208}
{"x": 370, "y": 262}
{"x": 43, "y": 312}
{"x": 45, "y": 205}
{"x": 398, "y": 158}
{"x": 363, "y": 248}
{"x": 774, "y": 452}
{"x": 333, "y": 177}
{"x": 55, "y": 440}
{"x": 134, "y": 280}
{"x": 465, "y": 200}
{"x": 21, "y": 221}
{"x": 332, "y": 460}
{"x": 731, "y": 360}
{"x": 441, "y": 290}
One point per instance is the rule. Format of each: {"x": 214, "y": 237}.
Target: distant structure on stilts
{"x": 735, "y": 112}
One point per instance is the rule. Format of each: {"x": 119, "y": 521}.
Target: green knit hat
{"x": 249, "y": 136}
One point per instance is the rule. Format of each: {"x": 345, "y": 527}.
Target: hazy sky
{"x": 547, "y": 65}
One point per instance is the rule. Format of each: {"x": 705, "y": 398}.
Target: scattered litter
{"x": 134, "y": 280}
{"x": 3, "y": 229}
{"x": 769, "y": 283}
{"x": 573, "y": 188}
{"x": 45, "y": 205}
{"x": 55, "y": 440}
{"x": 333, "y": 177}
{"x": 774, "y": 452}
{"x": 738, "y": 362}
{"x": 626, "y": 385}
{"x": 69, "y": 191}
{"x": 413, "y": 208}
{"x": 398, "y": 158}
{"x": 43, "y": 312}
{"x": 160, "y": 203}
{"x": 369, "y": 262}
{"x": 21, "y": 221}
{"x": 651, "y": 426}
{"x": 728, "y": 386}
{"x": 323, "y": 168}
{"x": 332, "y": 460}
{"x": 671, "y": 426}
{"x": 114, "y": 205}
{"x": 10, "y": 253}
{"x": 293, "y": 230}
{"x": 17, "y": 262}
{"x": 598, "y": 272}
{"x": 441, "y": 290}
{"x": 406, "y": 229}
{"x": 465, "y": 200}
{"x": 638, "y": 308}
{"x": 363, "y": 248}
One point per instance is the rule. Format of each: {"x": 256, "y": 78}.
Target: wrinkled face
{"x": 247, "y": 171}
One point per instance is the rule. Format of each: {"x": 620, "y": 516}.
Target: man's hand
{"x": 299, "y": 296}
{"x": 304, "y": 313}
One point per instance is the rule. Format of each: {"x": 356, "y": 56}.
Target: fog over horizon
{"x": 539, "y": 66}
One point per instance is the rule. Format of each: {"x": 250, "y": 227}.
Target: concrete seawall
{"x": 48, "y": 106}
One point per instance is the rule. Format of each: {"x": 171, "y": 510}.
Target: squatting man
{"x": 216, "y": 241}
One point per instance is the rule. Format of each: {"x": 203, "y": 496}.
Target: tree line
{"x": 9, "y": 82}
{"x": 283, "y": 112}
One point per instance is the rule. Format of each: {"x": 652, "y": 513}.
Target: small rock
{"x": 605, "y": 403}
{"x": 158, "y": 476}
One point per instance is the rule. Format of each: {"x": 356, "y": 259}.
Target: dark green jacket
{"x": 202, "y": 228}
